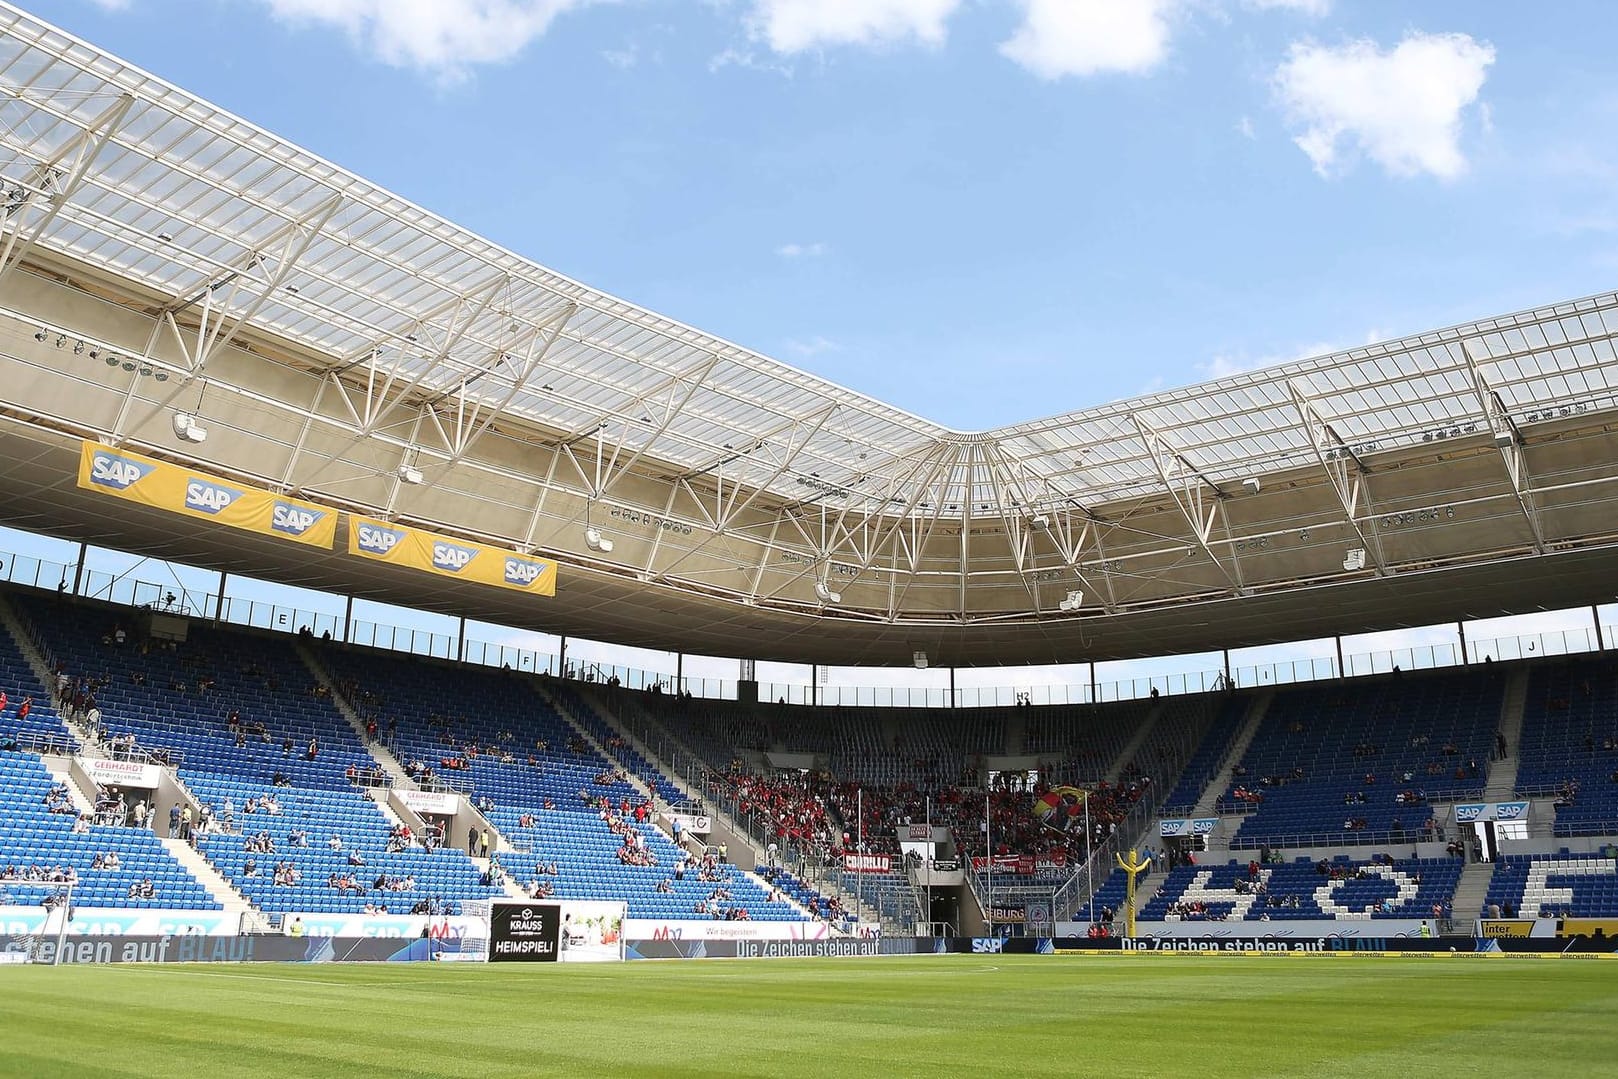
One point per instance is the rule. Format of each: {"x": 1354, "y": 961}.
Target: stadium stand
{"x": 246, "y": 724}
{"x": 1303, "y": 889}
{"x": 41, "y": 845}
{"x": 1210, "y": 755}
{"x": 235, "y": 712}
{"x": 19, "y": 684}
{"x": 1362, "y": 761}
{"x": 1561, "y": 885}
{"x": 1570, "y": 743}
{"x": 555, "y": 799}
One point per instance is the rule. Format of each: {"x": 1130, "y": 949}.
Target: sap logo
{"x": 374, "y": 539}
{"x": 523, "y": 573}
{"x": 294, "y": 520}
{"x": 119, "y": 473}
{"x": 103, "y": 926}
{"x": 987, "y": 945}
{"x": 452, "y": 556}
{"x": 208, "y": 497}
{"x": 1510, "y": 810}
{"x": 1465, "y": 813}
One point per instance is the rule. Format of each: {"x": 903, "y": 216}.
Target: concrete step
{"x": 1502, "y": 781}
{"x": 1238, "y": 748}
{"x": 1138, "y": 739}
{"x": 380, "y": 753}
{"x": 61, "y": 770}
{"x": 219, "y": 887}
{"x": 1472, "y": 891}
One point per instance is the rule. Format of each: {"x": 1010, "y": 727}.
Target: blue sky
{"x": 982, "y": 211}
{"x": 978, "y": 210}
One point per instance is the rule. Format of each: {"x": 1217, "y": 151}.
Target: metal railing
{"x": 44, "y": 744}
{"x": 259, "y": 614}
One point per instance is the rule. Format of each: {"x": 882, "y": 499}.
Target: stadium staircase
{"x": 1471, "y": 892}
{"x": 569, "y": 710}
{"x": 380, "y": 753}
{"x": 27, "y": 644}
{"x": 639, "y": 727}
{"x": 1207, "y": 803}
{"x": 1131, "y": 750}
{"x": 250, "y": 919}
{"x": 1016, "y": 734}
{"x": 1502, "y": 782}
{"x": 568, "y": 706}
{"x": 392, "y": 807}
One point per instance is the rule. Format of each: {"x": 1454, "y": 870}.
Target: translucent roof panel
{"x": 132, "y": 176}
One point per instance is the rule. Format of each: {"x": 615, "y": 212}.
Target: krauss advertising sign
{"x": 525, "y": 932}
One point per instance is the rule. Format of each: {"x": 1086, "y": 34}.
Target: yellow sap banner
{"x": 136, "y": 478}
{"x": 404, "y": 546}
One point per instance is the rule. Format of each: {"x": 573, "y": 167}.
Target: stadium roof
{"x": 333, "y": 332}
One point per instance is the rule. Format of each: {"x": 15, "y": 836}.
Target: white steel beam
{"x": 1345, "y": 474}
{"x": 1508, "y": 439}
{"x": 1199, "y": 499}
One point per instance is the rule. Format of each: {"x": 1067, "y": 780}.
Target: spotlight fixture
{"x": 824, "y": 593}
{"x": 1071, "y": 602}
{"x": 1040, "y": 521}
{"x": 410, "y": 474}
{"x": 1251, "y": 485}
{"x": 95, "y": 353}
{"x": 61, "y": 339}
{"x": 186, "y": 427}
{"x": 78, "y": 349}
{"x": 594, "y": 540}
{"x": 40, "y": 335}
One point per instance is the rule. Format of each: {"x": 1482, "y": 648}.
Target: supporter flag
{"x": 1062, "y": 808}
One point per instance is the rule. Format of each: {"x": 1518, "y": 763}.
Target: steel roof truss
{"x": 1199, "y": 499}
{"x": 68, "y": 167}
{"x": 1508, "y": 439}
{"x": 1345, "y": 474}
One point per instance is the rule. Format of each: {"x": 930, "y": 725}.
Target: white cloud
{"x": 796, "y": 251}
{"x": 111, "y": 5}
{"x": 814, "y": 346}
{"x": 1224, "y": 365}
{"x": 446, "y": 37}
{"x": 1244, "y": 126}
{"x": 1315, "y": 9}
{"x": 622, "y": 59}
{"x": 791, "y": 26}
{"x": 1402, "y": 108}
{"x": 1089, "y": 37}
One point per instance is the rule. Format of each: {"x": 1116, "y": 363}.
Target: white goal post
{"x": 45, "y": 943}
{"x": 473, "y": 945}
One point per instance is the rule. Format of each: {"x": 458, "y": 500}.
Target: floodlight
{"x": 186, "y": 427}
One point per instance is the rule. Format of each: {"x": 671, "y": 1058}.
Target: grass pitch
{"x": 1196, "y": 1016}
